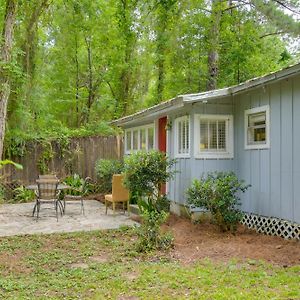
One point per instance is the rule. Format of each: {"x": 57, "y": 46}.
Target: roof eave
{"x": 154, "y": 111}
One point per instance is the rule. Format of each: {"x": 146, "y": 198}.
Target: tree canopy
{"x": 77, "y": 64}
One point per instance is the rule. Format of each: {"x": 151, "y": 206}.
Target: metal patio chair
{"x": 47, "y": 193}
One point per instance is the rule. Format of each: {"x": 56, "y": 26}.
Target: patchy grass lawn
{"x": 104, "y": 265}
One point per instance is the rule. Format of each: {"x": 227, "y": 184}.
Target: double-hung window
{"x": 182, "y": 136}
{"x": 257, "y": 128}
{"x": 139, "y": 138}
{"x": 213, "y": 136}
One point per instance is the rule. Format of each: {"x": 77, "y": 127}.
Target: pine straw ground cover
{"x": 104, "y": 265}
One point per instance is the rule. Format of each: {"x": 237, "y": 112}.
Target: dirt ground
{"x": 198, "y": 241}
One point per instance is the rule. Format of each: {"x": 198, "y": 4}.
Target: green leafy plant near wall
{"x": 145, "y": 173}
{"x": 2, "y": 164}
{"x": 105, "y": 168}
{"x": 219, "y": 193}
{"x": 23, "y": 195}
{"x": 45, "y": 158}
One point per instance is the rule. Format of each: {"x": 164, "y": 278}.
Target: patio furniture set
{"x": 49, "y": 190}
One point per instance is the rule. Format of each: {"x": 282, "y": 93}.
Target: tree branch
{"x": 273, "y": 33}
{"x": 286, "y": 6}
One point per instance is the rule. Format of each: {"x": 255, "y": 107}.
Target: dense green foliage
{"x": 78, "y": 185}
{"x": 22, "y": 195}
{"x": 105, "y": 169}
{"x": 219, "y": 193}
{"x": 78, "y": 64}
{"x": 149, "y": 233}
{"x": 145, "y": 173}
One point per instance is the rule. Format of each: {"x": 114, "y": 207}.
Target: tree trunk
{"x": 6, "y": 50}
{"x": 213, "y": 46}
{"x": 30, "y": 44}
{"x": 77, "y": 81}
{"x": 161, "y": 53}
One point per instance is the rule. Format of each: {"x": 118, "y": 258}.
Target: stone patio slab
{"x": 16, "y": 219}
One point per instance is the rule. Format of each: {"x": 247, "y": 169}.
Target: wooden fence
{"x": 79, "y": 157}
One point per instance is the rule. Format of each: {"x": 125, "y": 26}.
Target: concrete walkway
{"x": 16, "y": 219}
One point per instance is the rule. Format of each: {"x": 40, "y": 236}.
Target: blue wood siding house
{"x": 252, "y": 129}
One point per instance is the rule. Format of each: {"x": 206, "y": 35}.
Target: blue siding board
{"x": 265, "y": 165}
{"x": 286, "y": 150}
{"x": 275, "y": 157}
{"x": 244, "y": 156}
{"x": 255, "y": 181}
{"x": 296, "y": 150}
{"x": 264, "y": 182}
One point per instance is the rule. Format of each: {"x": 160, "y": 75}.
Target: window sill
{"x": 215, "y": 156}
{"x": 182, "y": 156}
{"x": 257, "y": 147}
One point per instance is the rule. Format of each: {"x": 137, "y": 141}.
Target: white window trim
{"x": 260, "y": 109}
{"x": 139, "y": 136}
{"x": 176, "y": 140}
{"x": 229, "y": 137}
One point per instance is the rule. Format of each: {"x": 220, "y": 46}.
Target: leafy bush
{"x": 78, "y": 185}
{"x": 105, "y": 168}
{"x": 146, "y": 172}
{"x": 23, "y": 195}
{"x": 218, "y": 193}
{"x": 9, "y": 162}
{"x": 149, "y": 233}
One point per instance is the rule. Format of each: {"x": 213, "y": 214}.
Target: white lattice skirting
{"x": 272, "y": 226}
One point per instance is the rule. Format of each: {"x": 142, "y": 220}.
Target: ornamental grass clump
{"x": 219, "y": 193}
{"x": 145, "y": 174}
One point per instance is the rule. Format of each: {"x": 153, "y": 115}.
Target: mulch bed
{"x": 199, "y": 241}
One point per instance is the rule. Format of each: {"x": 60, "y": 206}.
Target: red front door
{"x": 162, "y": 141}
{"x": 162, "y": 134}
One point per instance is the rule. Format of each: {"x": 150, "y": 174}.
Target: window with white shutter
{"x": 182, "y": 136}
{"x": 139, "y": 138}
{"x": 213, "y": 136}
{"x": 257, "y": 128}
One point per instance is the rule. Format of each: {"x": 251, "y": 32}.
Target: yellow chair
{"x": 119, "y": 193}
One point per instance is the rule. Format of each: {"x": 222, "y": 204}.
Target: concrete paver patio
{"x": 16, "y": 219}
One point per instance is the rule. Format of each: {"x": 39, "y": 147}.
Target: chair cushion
{"x": 109, "y": 197}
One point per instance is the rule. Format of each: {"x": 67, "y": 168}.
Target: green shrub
{"x": 78, "y": 185}
{"x": 149, "y": 233}
{"x": 105, "y": 168}
{"x": 23, "y": 195}
{"x": 218, "y": 192}
{"x": 145, "y": 173}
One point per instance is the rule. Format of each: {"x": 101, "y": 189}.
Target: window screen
{"x": 128, "y": 140}
{"x": 257, "y": 128}
{"x": 212, "y": 135}
{"x": 143, "y": 139}
{"x": 183, "y": 135}
{"x": 150, "y": 138}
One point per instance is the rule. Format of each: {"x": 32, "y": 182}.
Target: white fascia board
{"x": 205, "y": 96}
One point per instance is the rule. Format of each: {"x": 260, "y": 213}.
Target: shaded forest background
{"x": 78, "y": 64}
